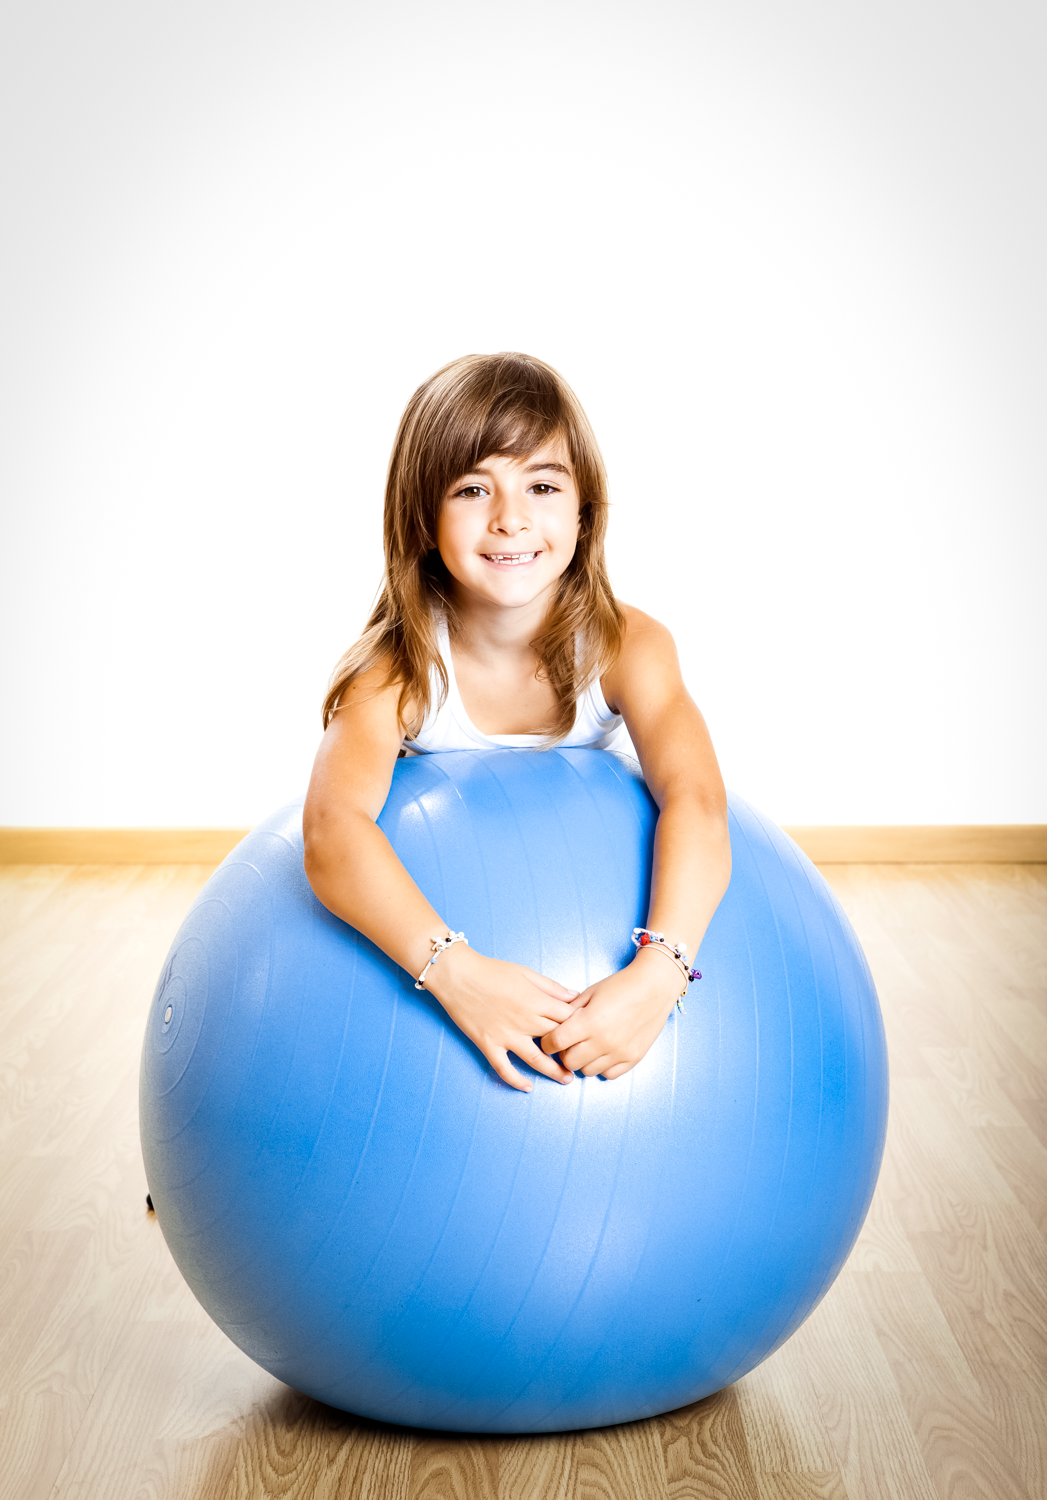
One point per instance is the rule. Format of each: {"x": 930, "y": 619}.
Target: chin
{"x": 518, "y": 595}
{"x": 505, "y": 589}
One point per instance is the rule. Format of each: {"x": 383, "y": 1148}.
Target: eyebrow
{"x": 530, "y": 469}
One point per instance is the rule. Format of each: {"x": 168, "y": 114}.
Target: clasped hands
{"x": 606, "y": 1028}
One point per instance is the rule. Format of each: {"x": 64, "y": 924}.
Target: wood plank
{"x": 935, "y": 1168}
{"x": 1020, "y": 1072}
{"x": 290, "y": 1447}
{"x": 781, "y": 1415}
{"x": 963, "y": 1450}
{"x": 1034, "y": 1113}
{"x": 608, "y": 1462}
{"x": 168, "y": 1417}
{"x": 805, "y": 1486}
{"x": 883, "y": 1244}
{"x": 44, "y": 1402}
{"x": 972, "y": 1086}
{"x": 990, "y": 1283}
{"x": 1020, "y": 1157}
{"x": 705, "y": 1452}
{"x": 1026, "y": 1024}
{"x": 537, "y": 1468}
{"x": 443, "y": 1467}
{"x": 860, "y": 1407}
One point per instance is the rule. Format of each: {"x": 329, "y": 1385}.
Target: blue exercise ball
{"x": 375, "y": 1218}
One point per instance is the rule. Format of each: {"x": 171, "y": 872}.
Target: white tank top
{"x": 447, "y": 726}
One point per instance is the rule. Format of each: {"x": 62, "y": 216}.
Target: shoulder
{"x": 378, "y": 681}
{"x": 647, "y": 657}
{"x": 373, "y": 696}
{"x": 644, "y": 630}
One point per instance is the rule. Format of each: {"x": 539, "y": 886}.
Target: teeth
{"x": 511, "y": 557}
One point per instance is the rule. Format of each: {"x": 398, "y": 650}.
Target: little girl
{"x": 497, "y": 626}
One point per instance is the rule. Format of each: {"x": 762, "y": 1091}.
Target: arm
{"x": 355, "y": 872}
{"x": 617, "y": 1020}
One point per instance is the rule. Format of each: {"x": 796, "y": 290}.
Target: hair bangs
{"x": 506, "y": 408}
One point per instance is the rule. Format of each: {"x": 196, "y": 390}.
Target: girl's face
{"x": 508, "y": 529}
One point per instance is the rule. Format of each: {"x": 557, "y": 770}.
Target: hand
{"x": 502, "y": 1007}
{"x": 614, "y": 1023}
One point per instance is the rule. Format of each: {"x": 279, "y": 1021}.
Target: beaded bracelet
{"x": 440, "y": 945}
{"x": 643, "y": 937}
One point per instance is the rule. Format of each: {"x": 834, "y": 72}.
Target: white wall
{"x": 789, "y": 255}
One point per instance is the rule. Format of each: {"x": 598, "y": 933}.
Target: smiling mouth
{"x": 510, "y": 559}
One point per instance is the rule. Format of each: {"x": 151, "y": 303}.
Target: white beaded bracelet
{"x": 440, "y": 945}
{"x": 643, "y": 937}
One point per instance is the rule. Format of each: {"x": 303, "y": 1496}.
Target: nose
{"x": 511, "y": 516}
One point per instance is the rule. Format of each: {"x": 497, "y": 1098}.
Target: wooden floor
{"x": 923, "y": 1373}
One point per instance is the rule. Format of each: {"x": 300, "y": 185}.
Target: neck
{"x": 484, "y": 627}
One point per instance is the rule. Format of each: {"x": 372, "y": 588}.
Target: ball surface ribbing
{"x": 375, "y": 1218}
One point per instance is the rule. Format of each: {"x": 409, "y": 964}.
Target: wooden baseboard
{"x": 980, "y": 843}
{"x": 935, "y": 843}
{"x": 117, "y": 846}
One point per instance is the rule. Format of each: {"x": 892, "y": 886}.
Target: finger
{"x": 546, "y": 1022}
{"x": 578, "y": 1057}
{"x": 597, "y": 1066}
{"x": 617, "y": 1070}
{"x": 537, "y": 1059}
{"x": 550, "y": 986}
{"x": 574, "y": 1029}
{"x": 499, "y": 1060}
{"x": 554, "y": 1011}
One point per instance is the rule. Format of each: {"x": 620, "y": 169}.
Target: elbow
{"x": 706, "y": 814}
{"x": 313, "y": 865}
{"x": 725, "y": 859}
{"x": 311, "y": 862}
{"x": 331, "y": 854}
{"x": 705, "y": 809}
{"x": 720, "y": 840}
{"x": 316, "y": 859}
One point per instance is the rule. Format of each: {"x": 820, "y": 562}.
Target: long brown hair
{"x": 474, "y": 408}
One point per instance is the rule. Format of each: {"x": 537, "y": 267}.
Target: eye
{"x": 470, "y": 492}
{"x": 541, "y": 488}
